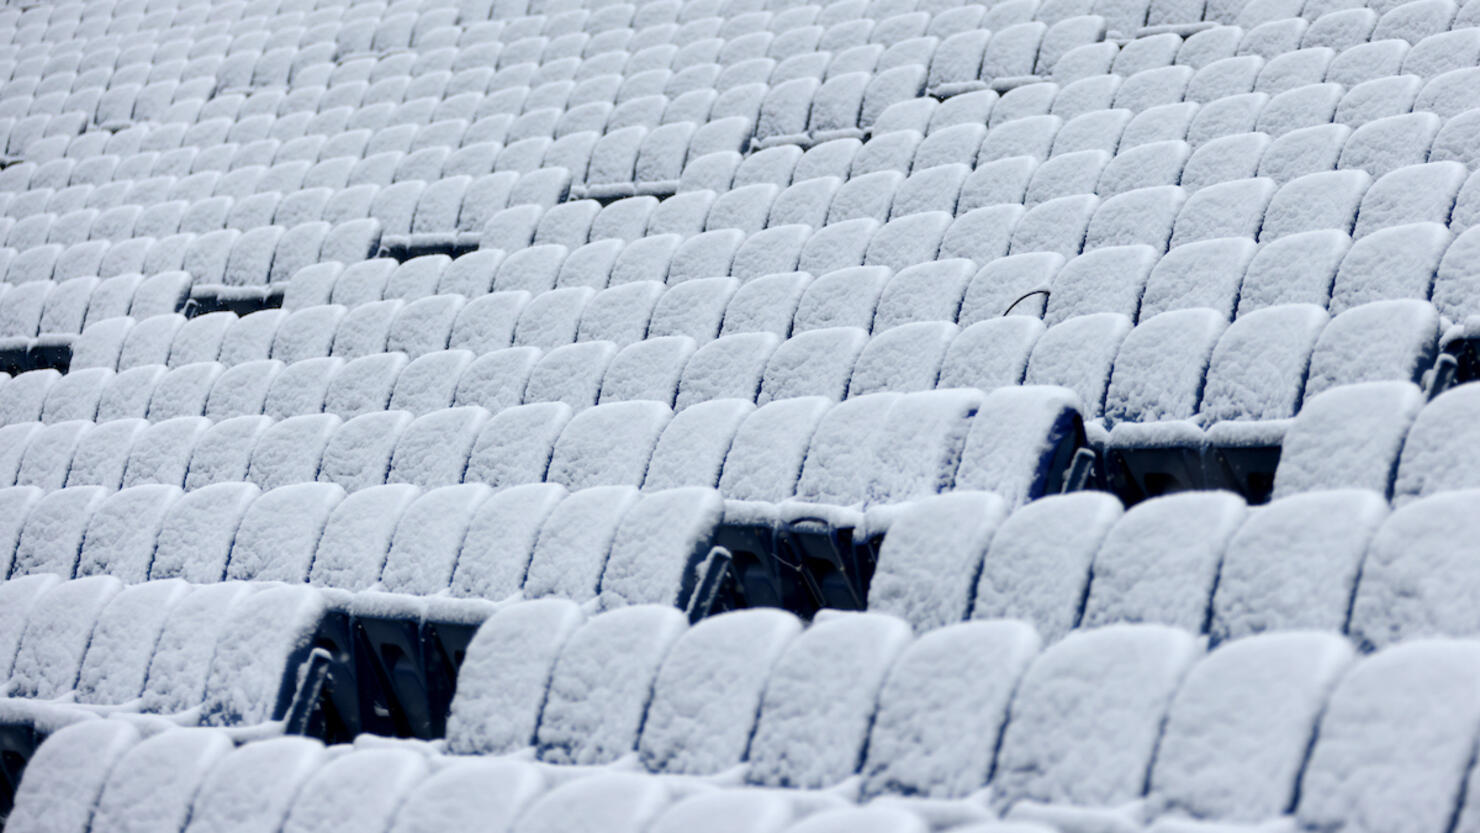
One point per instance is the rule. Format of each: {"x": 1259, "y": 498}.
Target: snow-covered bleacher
{"x": 994, "y": 416}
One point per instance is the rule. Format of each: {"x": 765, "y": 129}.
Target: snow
{"x": 620, "y": 314}
{"x": 52, "y": 536}
{"x": 24, "y": 395}
{"x": 819, "y": 702}
{"x": 363, "y": 385}
{"x": 1056, "y": 225}
{"x": 1348, "y": 437}
{"x": 365, "y": 328}
{"x": 574, "y": 543}
{"x": 769, "y": 251}
{"x": 356, "y": 791}
{"x": 1294, "y": 564}
{"x": 691, "y": 450}
{"x": 1108, "y": 280}
{"x": 1238, "y": 730}
{"x": 1013, "y": 439}
{"x": 1160, "y": 562}
{"x": 818, "y": 362}
{"x": 469, "y": 792}
{"x": 1078, "y": 354}
{"x": 1382, "y": 340}
{"x": 621, "y": 802}
{"x": 838, "y": 245}
{"x": 842, "y": 453}
{"x": 1453, "y": 293}
{"x": 67, "y": 774}
{"x": 185, "y": 646}
{"x": 122, "y": 530}
{"x": 931, "y": 556}
{"x": 1393, "y": 262}
{"x": 570, "y": 374}
{"x": 300, "y": 388}
{"x": 1207, "y": 273}
{"x": 1160, "y": 366}
{"x": 1038, "y": 567}
{"x": 1087, "y": 716}
{"x": 49, "y": 453}
{"x": 927, "y": 291}
{"x": 601, "y": 684}
{"x": 289, "y": 451}
{"x": 424, "y": 551}
{"x": 358, "y": 452}
{"x": 196, "y": 535}
{"x": 727, "y": 811}
{"x": 433, "y": 449}
{"x": 1297, "y": 269}
{"x": 608, "y": 445}
{"x": 279, "y": 532}
{"x": 357, "y": 536}
{"x": 942, "y": 709}
{"x": 765, "y": 304}
{"x": 841, "y": 298}
{"x": 1258, "y": 367}
{"x": 496, "y": 380}
{"x": 659, "y": 546}
{"x": 239, "y": 390}
{"x": 1394, "y": 741}
{"x": 58, "y": 627}
{"x": 709, "y": 690}
{"x": 515, "y": 446}
{"x": 694, "y": 308}
{"x": 905, "y": 358}
{"x": 806, "y": 200}
{"x": 1325, "y": 200}
{"x": 505, "y": 675}
{"x": 183, "y": 391}
{"x": 249, "y": 338}
{"x": 152, "y": 786}
{"x": 880, "y": 819}
{"x": 1411, "y": 584}
{"x": 264, "y": 636}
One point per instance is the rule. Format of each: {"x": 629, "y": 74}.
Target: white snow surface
{"x": 355, "y": 791}
{"x": 1348, "y": 437}
{"x": 1436, "y": 458}
{"x": 1395, "y": 740}
{"x": 429, "y": 537}
{"x": 505, "y": 675}
{"x": 661, "y": 541}
{"x": 253, "y": 786}
{"x": 709, "y": 688}
{"x": 1037, "y": 568}
{"x": 943, "y": 707}
{"x": 601, "y": 684}
{"x": 259, "y": 642}
{"x": 819, "y": 703}
{"x": 122, "y": 531}
{"x": 1160, "y": 561}
{"x": 122, "y": 642}
{"x": 67, "y": 775}
{"x": 619, "y": 802}
{"x": 280, "y": 531}
{"x": 1087, "y": 716}
{"x": 931, "y": 555}
{"x": 58, "y": 628}
{"x": 151, "y": 787}
{"x": 357, "y": 535}
{"x": 1239, "y": 727}
{"x": 1294, "y": 563}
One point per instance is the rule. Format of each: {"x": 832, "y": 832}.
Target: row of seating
{"x": 1346, "y": 748}
{"x": 1180, "y": 364}
{"x": 1017, "y": 441}
{"x": 1335, "y": 561}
